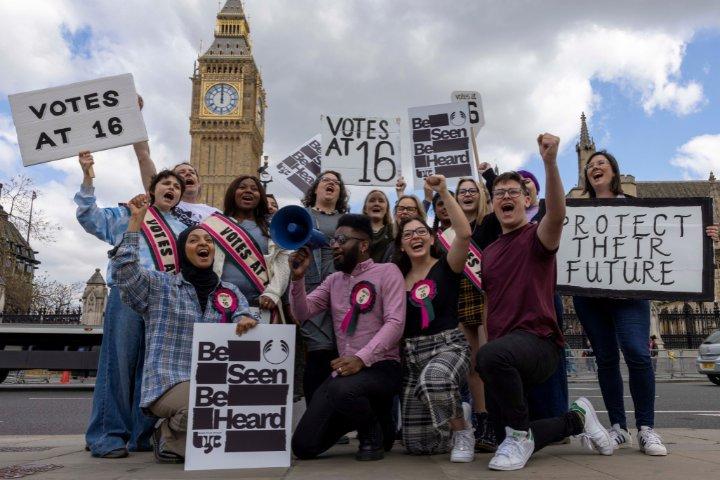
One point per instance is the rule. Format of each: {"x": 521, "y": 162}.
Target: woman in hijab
{"x": 170, "y": 305}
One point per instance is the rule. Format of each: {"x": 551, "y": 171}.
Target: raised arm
{"x": 147, "y": 166}
{"x": 457, "y": 255}
{"x": 550, "y": 228}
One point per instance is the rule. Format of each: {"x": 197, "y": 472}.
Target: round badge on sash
{"x": 362, "y": 300}
{"x": 225, "y": 302}
{"x": 421, "y": 295}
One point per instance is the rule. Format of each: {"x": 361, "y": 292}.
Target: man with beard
{"x": 367, "y": 304}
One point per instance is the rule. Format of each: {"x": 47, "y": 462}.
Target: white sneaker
{"x": 594, "y": 435}
{"x": 514, "y": 452}
{"x": 464, "y": 440}
{"x": 650, "y": 442}
{"x": 621, "y": 438}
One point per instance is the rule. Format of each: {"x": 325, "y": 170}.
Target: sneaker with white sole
{"x": 650, "y": 442}
{"x": 514, "y": 452}
{"x": 594, "y": 435}
{"x": 464, "y": 440}
{"x": 621, "y": 438}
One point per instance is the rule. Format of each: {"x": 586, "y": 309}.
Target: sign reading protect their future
{"x": 440, "y": 136}
{"x": 240, "y": 410}
{"x": 59, "y": 122}
{"x": 652, "y": 248}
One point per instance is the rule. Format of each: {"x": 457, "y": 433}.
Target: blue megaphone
{"x": 292, "y": 228}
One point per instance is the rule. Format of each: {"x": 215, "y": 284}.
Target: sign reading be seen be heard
{"x": 60, "y": 122}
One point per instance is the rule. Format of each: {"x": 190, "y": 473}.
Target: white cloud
{"x": 534, "y": 70}
{"x": 699, "y": 156}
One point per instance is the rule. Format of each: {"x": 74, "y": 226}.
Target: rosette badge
{"x": 225, "y": 302}
{"x": 362, "y": 300}
{"x": 421, "y": 296}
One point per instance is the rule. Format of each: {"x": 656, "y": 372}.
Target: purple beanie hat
{"x": 526, "y": 174}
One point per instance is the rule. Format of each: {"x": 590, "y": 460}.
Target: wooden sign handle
{"x": 91, "y": 172}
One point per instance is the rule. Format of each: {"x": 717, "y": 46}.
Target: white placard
{"x": 241, "y": 391}
{"x": 364, "y": 150}
{"x": 440, "y": 139}
{"x": 60, "y": 122}
{"x": 299, "y": 169}
{"x": 475, "y": 107}
{"x": 635, "y": 248}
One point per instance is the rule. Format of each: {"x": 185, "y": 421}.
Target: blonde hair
{"x": 387, "y": 219}
{"x": 418, "y": 204}
{"x": 483, "y": 207}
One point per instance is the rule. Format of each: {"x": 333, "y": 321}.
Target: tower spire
{"x": 584, "y": 148}
{"x": 585, "y": 140}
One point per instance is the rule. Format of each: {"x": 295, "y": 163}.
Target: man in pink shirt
{"x": 367, "y": 303}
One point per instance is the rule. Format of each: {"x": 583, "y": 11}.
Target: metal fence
{"x": 58, "y": 317}
{"x": 669, "y": 364}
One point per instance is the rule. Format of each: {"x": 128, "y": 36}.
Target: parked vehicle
{"x": 708, "y": 359}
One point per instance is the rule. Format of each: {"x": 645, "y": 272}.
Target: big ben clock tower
{"x": 227, "y": 115}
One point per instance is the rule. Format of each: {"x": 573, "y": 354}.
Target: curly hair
{"x": 260, "y": 212}
{"x": 160, "y": 176}
{"x": 401, "y": 258}
{"x": 311, "y": 194}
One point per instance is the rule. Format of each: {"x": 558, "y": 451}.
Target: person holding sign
{"x": 524, "y": 340}
{"x": 247, "y": 257}
{"x": 436, "y": 354}
{"x": 625, "y": 323}
{"x": 367, "y": 304}
{"x": 170, "y": 304}
{"x": 116, "y": 423}
{"x": 377, "y": 209}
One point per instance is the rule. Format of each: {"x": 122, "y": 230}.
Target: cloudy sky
{"x": 647, "y": 74}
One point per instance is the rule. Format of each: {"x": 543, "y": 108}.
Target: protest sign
{"x": 299, "y": 169}
{"x": 474, "y": 100}
{"x": 440, "y": 136}
{"x": 59, "y": 122}
{"x": 364, "y": 150}
{"x": 240, "y": 410}
{"x": 652, "y": 248}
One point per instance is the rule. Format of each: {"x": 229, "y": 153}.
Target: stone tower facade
{"x": 94, "y": 299}
{"x": 227, "y": 114}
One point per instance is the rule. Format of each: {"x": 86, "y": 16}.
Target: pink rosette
{"x": 226, "y": 302}
{"x": 421, "y": 295}
{"x": 362, "y": 300}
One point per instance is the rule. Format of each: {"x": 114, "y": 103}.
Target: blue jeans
{"x": 116, "y": 420}
{"x": 624, "y": 322}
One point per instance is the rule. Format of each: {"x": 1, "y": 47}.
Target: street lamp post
{"x": 265, "y": 177}
{"x": 32, "y": 200}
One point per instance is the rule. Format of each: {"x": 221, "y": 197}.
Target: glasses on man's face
{"x": 343, "y": 239}
{"x": 420, "y": 232}
{"x": 468, "y": 191}
{"x": 329, "y": 180}
{"x": 407, "y": 209}
{"x": 511, "y": 192}
{"x": 599, "y": 164}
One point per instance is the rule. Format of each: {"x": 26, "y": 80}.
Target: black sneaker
{"x": 485, "y": 441}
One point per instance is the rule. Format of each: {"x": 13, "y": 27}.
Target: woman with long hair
{"x": 436, "y": 355}
{"x": 377, "y": 208}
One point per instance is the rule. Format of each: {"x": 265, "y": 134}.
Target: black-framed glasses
{"x": 468, "y": 191}
{"x": 511, "y": 192}
{"x": 343, "y": 239}
{"x": 420, "y": 232}
{"x": 407, "y": 209}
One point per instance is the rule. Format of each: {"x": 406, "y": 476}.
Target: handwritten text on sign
{"x": 643, "y": 248}
{"x": 364, "y": 150}
{"x": 440, "y": 136}
{"x": 59, "y": 122}
{"x": 240, "y": 413}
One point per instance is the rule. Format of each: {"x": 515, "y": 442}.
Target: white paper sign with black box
{"x": 651, "y": 248}
{"x": 241, "y": 390}
{"x": 364, "y": 150}
{"x": 440, "y": 139}
{"x": 60, "y": 122}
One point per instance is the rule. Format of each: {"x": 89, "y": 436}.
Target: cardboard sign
{"x": 299, "y": 169}
{"x": 364, "y": 150}
{"x": 474, "y": 100}
{"x": 652, "y": 248}
{"x": 440, "y": 136}
{"x": 60, "y": 122}
{"x": 241, "y": 391}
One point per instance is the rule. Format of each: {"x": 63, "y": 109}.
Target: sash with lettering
{"x": 473, "y": 264}
{"x": 240, "y": 247}
{"x": 161, "y": 240}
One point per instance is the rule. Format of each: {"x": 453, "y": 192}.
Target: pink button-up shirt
{"x": 378, "y": 331}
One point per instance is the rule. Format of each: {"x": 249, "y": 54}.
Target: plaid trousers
{"x": 434, "y": 368}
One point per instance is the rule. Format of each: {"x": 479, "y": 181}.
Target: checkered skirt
{"x": 471, "y": 304}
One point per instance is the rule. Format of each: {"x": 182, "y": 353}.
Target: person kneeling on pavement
{"x": 169, "y": 305}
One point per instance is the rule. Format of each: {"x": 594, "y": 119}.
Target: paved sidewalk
{"x": 694, "y": 454}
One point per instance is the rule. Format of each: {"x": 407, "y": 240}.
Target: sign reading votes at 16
{"x": 652, "y": 248}
{"x": 240, "y": 410}
{"x": 440, "y": 141}
{"x": 474, "y": 101}
{"x": 364, "y": 150}
{"x": 59, "y": 122}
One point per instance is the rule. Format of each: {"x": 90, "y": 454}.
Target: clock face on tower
{"x": 221, "y": 98}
